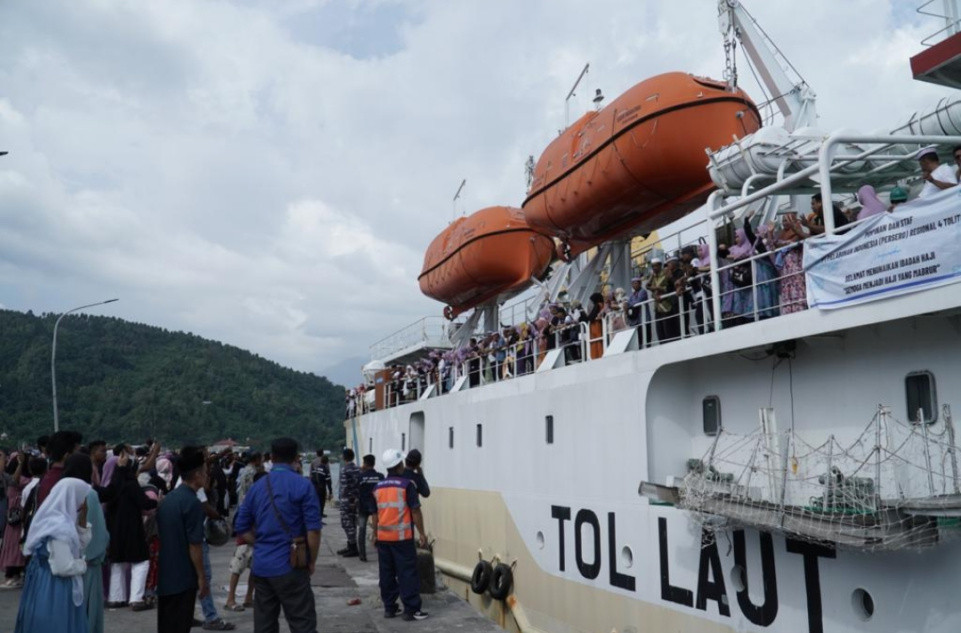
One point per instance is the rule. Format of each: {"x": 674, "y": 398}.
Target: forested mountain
{"x": 118, "y": 380}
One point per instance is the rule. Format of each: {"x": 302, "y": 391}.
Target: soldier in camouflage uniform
{"x": 349, "y": 497}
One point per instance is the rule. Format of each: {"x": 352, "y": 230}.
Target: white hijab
{"x": 57, "y": 519}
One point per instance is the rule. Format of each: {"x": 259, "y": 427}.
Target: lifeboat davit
{"x": 487, "y": 255}
{"x": 638, "y": 163}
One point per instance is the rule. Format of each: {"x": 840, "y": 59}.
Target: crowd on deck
{"x": 671, "y": 297}
{"x": 87, "y": 527}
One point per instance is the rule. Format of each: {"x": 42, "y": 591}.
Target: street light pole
{"x": 53, "y": 357}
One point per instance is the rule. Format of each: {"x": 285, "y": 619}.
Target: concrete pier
{"x": 336, "y": 582}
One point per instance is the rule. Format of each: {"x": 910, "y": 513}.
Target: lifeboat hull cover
{"x": 638, "y": 163}
{"x": 482, "y": 257}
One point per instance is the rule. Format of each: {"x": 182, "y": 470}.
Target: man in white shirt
{"x": 935, "y": 175}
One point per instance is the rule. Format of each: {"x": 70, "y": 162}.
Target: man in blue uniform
{"x": 415, "y": 473}
{"x": 349, "y": 494}
{"x": 320, "y": 477}
{"x": 367, "y": 505}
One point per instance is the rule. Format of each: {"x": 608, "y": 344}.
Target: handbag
{"x": 298, "y": 544}
{"x": 741, "y": 275}
{"x": 14, "y": 516}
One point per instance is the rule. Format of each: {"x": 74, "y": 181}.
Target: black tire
{"x": 501, "y": 582}
{"x": 481, "y": 577}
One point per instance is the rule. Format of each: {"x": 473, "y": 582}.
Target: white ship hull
{"x": 592, "y": 555}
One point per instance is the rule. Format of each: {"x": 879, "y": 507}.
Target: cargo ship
{"x": 783, "y": 457}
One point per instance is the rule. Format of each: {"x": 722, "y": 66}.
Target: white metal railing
{"x": 431, "y": 331}
{"x": 951, "y": 19}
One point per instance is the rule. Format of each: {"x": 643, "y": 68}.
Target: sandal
{"x": 248, "y": 605}
{"x": 234, "y": 607}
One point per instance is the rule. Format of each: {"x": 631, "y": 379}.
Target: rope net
{"x": 895, "y": 486}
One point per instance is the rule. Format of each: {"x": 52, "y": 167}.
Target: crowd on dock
{"x": 760, "y": 274}
{"x": 88, "y": 527}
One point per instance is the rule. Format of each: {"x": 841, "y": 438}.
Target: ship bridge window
{"x": 403, "y": 442}
{"x": 921, "y": 394}
{"x": 450, "y": 437}
{"x": 480, "y": 435}
{"x": 711, "y": 413}
{"x": 549, "y": 428}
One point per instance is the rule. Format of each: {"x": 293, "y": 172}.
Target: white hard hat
{"x": 391, "y": 458}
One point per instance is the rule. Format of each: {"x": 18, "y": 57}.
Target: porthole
{"x": 711, "y": 414}
{"x": 627, "y": 557}
{"x": 921, "y": 394}
{"x": 540, "y": 540}
{"x": 863, "y": 604}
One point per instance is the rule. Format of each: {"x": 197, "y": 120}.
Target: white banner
{"x": 916, "y": 247}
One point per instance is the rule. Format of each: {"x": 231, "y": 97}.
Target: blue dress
{"x": 46, "y": 603}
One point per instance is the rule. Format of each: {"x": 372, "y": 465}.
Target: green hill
{"x": 118, "y": 380}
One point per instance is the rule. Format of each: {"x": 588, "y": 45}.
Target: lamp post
{"x": 53, "y": 357}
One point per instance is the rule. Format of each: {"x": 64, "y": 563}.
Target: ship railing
{"x": 950, "y": 16}
{"x": 718, "y": 304}
{"x": 431, "y": 331}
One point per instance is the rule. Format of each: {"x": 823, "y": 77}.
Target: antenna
{"x": 567, "y": 100}
{"x": 457, "y": 197}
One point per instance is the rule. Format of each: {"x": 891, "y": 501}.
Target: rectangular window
{"x": 371, "y": 449}
{"x": 921, "y": 394}
{"x": 450, "y": 437}
{"x": 711, "y": 412}
{"x": 549, "y": 428}
{"x": 403, "y": 441}
{"x": 480, "y": 434}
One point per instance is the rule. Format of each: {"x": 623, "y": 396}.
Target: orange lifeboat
{"x": 638, "y": 163}
{"x": 487, "y": 255}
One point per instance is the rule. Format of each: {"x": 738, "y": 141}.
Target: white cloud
{"x": 268, "y": 174}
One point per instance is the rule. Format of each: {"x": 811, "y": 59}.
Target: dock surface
{"x": 336, "y": 581}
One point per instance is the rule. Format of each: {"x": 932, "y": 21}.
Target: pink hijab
{"x": 742, "y": 248}
{"x": 870, "y": 203}
{"x": 703, "y": 254}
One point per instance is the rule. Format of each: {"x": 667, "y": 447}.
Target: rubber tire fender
{"x": 481, "y": 578}
{"x": 501, "y": 582}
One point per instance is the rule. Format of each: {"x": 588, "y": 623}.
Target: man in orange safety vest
{"x": 398, "y": 514}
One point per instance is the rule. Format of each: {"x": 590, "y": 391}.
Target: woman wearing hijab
{"x": 789, "y": 260}
{"x": 108, "y": 467}
{"x": 702, "y": 287}
{"x": 79, "y": 466}
{"x": 870, "y": 203}
{"x": 52, "y": 597}
{"x": 765, "y": 274}
{"x": 128, "y": 540}
{"x": 11, "y": 557}
{"x": 742, "y": 298}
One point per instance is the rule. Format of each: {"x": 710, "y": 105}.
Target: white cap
{"x": 391, "y": 458}
{"x": 657, "y": 260}
{"x": 924, "y": 151}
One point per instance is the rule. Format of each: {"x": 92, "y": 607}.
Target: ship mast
{"x": 782, "y": 83}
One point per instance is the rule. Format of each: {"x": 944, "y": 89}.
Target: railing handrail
{"x": 428, "y": 329}
{"x": 951, "y": 23}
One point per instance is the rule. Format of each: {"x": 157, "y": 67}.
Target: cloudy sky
{"x": 269, "y": 173}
